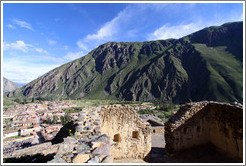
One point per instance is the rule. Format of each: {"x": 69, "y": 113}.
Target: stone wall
{"x": 157, "y": 129}
{"x": 101, "y": 135}
{"x": 131, "y": 137}
{"x": 89, "y": 122}
{"x": 206, "y": 122}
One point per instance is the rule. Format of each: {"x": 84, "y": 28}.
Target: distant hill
{"x": 206, "y": 65}
{"x": 9, "y": 86}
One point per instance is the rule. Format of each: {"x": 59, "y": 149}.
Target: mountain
{"x": 9, "y": 86}
{"x": 205, "y": 65}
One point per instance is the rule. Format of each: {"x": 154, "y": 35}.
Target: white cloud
{"x": 11, "y": 26}
{"x": 18, "y": 45}
{"x": 22, "y": 24}
{"x": 108, "y": 32}
{"x": 40, "y": 50}
{"x": 23, "y": 72}
{"x": 73, "y": 55}
{"x": 51, "y": 42}
{"x": 22, "y": 46}
{"x": 81, "y": 45}
{"x": 178, "y": 31}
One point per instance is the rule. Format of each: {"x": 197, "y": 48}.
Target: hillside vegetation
{"x": 206, "y": 65}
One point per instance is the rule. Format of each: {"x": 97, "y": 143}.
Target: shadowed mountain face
{"x": 206, "y": 65}
{"x": 9, "y": 86}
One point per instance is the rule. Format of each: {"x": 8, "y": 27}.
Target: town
{"x": 25, "y": 125}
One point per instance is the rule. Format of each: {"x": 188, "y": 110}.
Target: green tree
{"x": 55, "y": 119}
{"x": 65, "y": 119}
{"x": 62, "y": 119}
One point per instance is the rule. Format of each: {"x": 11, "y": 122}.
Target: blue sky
{"x": 37, "y": 37}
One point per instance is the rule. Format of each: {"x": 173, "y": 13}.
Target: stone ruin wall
{"x": 206, "y": 122}
{"x": 131, "y": 137}
{"x": 158, "y": 130}
{"x": 226, "y": 129}
{"x": 102, "y": 134}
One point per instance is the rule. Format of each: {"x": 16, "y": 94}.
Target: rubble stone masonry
{"x": 131, "y": 137}
{"x": 206, "y": 122}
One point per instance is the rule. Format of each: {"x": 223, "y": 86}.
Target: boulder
{"x": 69, "y": 140}
{"x": 65, "y": 148}
{"x": 94, "y": 160}
{"x": 97, "y": 144}
{"x": 81, "y": 158}
{"x": 102, "y": 138}
{"x": 82, "y": 147}
{"x": 102, "y": 150}
{"x": 108, "y": 159}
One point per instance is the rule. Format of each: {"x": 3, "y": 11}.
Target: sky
{"x": 38, "y": 37}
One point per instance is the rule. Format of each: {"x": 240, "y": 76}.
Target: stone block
{"x": 69, "y": 140}
{"x": 79, "y": 128}
{"x": 102, "y": 138}
{"x": 97, "y": 129}
{"x": 102, "y": 150}
{"x": 82, "y": 147}
{"x": 97, "y": 144}
{"x": 108, "y": 159}
{"x": 81, "y": 158}
{"x": 88, "y": 128}
{"x": 94, "y": 160}
{"x": 65, "y": 148}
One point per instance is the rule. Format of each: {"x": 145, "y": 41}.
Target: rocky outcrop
{"x": 131, "y": 137}
{"x": 194, "y": 124}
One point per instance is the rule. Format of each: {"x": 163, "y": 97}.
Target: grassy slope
{"x": 226, "y": 72}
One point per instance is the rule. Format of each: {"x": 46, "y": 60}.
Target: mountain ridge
{"x": 9, "y": 85}
{"x": 196, "y": 67}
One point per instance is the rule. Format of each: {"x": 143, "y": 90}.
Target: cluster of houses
{"x": 27, "y": 122}
{"x": 32, "y": 115}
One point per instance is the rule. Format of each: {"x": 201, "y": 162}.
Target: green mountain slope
{"x": 204, "y": 65}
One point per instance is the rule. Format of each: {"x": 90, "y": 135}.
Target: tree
{"x": 55, "y": 119}
{"x": 62, "y": 119}
{"x": 65, "y": 119}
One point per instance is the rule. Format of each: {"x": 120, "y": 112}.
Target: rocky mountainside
{"x": 9, "y": 86}
{"x": 206, "y": 65}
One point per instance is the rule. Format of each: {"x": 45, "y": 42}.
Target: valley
{"x": 134, "y": 102}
